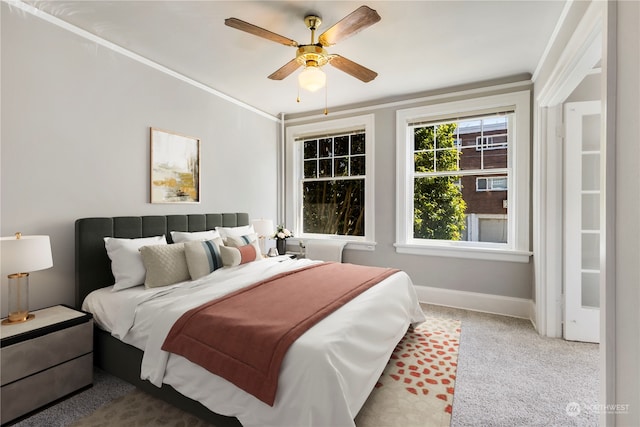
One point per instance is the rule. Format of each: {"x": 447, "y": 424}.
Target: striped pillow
{"x": 203, "y": 257}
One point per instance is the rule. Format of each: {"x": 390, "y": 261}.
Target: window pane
{"x": 310, "y": 149}
{"x": 498, "y": 183}
{"x": 325, "y": 168}
{"x": 326, "y": 147}
{"x": 341, "y": 146}
{"x": 358, "y": 165}
{"x": 470, "y": 127}
{"x": 470, "y": 158}
{"x": 334, "y": 207}
{"x": 341, "y": 166}
{"x": 310, "y": 168}
{"x": 495, "y": 158}
{"x": 495, "y": 124}
{"x": 439, "y": 141}
{"x": 460, "y": 208}
{"x": 423, "y": 161}
{"x": 447, "y": 159}
{"x": 438, "y": 209}
{"x": 492, "y": 230}
{"x": 423, "y": 138}
{"x": 357, "y": 144}
{"x": 497, "y": 140}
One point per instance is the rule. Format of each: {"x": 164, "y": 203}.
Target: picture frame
{"x": 175, "y": 167}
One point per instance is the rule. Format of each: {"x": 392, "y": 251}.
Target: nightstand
{"x": 44, "y": 359}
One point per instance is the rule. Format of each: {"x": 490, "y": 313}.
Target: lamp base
{"x": 13, "y": 321}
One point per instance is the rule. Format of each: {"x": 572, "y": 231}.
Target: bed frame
{"x": 93, "y": 271}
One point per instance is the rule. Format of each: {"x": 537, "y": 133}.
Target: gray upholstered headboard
{"x": 93, "y": 267}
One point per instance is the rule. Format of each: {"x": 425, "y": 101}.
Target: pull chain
{"x": 326, "y": 111}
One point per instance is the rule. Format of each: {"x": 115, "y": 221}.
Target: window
{"x": 458, "y": 164}
{"x": 334, "y": 172}
{"x": 491, "y": 184}
{"x": 330, "y": 184}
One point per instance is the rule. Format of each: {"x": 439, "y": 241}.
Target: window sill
{"x": 358, "y": 245}
{"x": 489, "y": 254}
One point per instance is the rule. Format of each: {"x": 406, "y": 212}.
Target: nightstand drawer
{"x": 37, "y": 354}
{"x": 45, "y": 387}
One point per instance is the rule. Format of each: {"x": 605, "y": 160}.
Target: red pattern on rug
{"x": 425, "y": 362}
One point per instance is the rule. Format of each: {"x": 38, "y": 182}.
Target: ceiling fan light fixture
{"x": 312, "y": 78}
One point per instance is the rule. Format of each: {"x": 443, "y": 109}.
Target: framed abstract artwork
{"x": 175, "y": 167}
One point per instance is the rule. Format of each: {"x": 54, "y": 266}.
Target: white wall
{"x": 588, "y": 90}
{"x": 624, "y": 318}
{"x": 75, "y": 143}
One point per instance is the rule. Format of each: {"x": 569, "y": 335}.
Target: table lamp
{"x": 264, "y": 229}
{"x": 23, "y": 254}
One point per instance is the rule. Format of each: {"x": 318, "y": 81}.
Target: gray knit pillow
{"x": 165, "y": 264}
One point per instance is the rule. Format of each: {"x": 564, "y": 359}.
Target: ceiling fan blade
{"x": 356, "y": 21}
{"x": 354, "y": 69}
{"x": 285, "y": 70}
{"x": 258, "y": 31}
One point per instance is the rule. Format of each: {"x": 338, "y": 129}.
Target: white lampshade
{"x": 20, "y": 255}
{"x": 312, "y": 78}
{"x": 263, "y": 227}
{"x": 25, "y": 254}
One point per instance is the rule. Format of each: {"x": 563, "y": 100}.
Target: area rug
{"x": 415, "y": 389}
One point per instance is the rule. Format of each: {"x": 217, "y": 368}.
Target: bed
{"x": 326, "y": 375}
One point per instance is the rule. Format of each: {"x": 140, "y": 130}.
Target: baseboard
{"x": 487, "y": 303}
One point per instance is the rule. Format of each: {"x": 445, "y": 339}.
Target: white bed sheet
{"x": 326, "y": 375}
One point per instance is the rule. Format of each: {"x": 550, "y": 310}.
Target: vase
{"x": 281, "y": 246}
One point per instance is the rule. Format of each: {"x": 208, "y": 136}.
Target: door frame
{"x": 582, "y": 53}
{"x": 597, "y": 29}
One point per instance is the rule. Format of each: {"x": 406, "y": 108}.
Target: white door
{"x": 582, "y": 221}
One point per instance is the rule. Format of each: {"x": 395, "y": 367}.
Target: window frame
{"x": 295, "y": 176}
{"x": 518, "y": 163}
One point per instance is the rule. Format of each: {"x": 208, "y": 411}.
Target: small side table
{"x": 44, "y": 359}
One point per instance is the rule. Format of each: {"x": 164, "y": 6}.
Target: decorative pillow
{"x": 225, "y": 232}
{"x": 237, "y": 241}
{"x": 165, "y": 264}
{"x": 203, "y": 257}
{"x": 126, "y": 261}
{"x": 242, "y": 255}
{"x": 181, "y": 236}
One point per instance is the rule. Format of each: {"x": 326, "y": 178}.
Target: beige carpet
{"x": 415, "y": 389}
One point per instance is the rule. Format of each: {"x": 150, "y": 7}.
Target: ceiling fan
{"x": 313, "y": 56}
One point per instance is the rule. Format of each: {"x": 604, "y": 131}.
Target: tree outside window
{"x": 452, "y": 160}
{"x": 439, "y": 208}
{"x": 333, "y": 186}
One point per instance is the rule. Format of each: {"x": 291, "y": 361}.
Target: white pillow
{"x": 235, "y": 231}
{"x": 181, "y": 236}
{"x": 126, "y": 261}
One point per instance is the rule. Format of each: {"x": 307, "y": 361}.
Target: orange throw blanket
{"x": 244, "y": 336}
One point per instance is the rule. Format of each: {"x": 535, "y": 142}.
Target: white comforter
{"x": 326, "y": 375}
